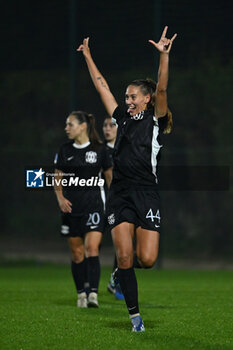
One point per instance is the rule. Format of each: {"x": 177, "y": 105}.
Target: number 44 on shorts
{"x": 150, "y": 215}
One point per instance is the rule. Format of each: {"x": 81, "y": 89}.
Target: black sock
{"x": 115, "y": 264}
{"x": 78, "y": 272}
{"x": 86, "y": 279}
{"x": 136, "y": 264}
{"x": 129, "y": 287}
{"x": 93, "y": 264}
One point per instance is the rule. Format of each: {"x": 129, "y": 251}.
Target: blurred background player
{"x": 110, "y": 132}
{"x": 82, "y": 207}
{"x": 133, "y": 201}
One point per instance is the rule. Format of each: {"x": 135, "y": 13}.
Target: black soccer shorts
{"x": 78, "y": 225}
{"x": 137, "y": 206}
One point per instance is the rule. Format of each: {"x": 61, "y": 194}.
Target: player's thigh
{"x": 147, "y": 245}
{"x": 122, "y": 236}
{"x": 92, "y": 243}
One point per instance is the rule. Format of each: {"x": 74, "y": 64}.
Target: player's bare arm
{"x": 163, "y": 46}
{"x": 99, "y": 81}
{"x": 64, "y": 204}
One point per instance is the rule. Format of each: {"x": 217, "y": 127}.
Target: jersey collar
{"x": 84, "y": 145}
{"x": 142, "y": 114}
{"x": 110, "y": 145}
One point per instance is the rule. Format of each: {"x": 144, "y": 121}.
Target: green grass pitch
{"x": 180, "y": 309}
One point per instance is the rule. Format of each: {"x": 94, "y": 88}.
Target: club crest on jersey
{"x": 138, "y": 116}
{"x": 91, "y": 157}
{"x": 111, "y": 219}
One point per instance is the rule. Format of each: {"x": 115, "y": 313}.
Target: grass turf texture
{"x": 180, "y": 309}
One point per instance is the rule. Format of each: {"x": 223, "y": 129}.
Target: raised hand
{"x": 164, "y": 45}
{"x": 84, "y": 47}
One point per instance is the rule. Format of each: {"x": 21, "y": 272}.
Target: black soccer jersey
{"x": 137, "y": 147}
{"x": 110, "y": 149}
{"x": 85, "y": 162}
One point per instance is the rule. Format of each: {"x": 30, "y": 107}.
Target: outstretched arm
{"x": 100, "y": 83}
{"x": 163, "y": 46}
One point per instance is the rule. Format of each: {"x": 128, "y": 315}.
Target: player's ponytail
{"x": 89, "y": 119}
{"x": 91, "y": 130}
{"x": 169, "y": 125}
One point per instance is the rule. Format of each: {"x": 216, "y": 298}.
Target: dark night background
{"x": 43, "y": 79}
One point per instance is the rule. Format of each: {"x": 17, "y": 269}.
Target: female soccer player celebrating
{"x": 81, "y": 203}
{"x": 133, "y": 199}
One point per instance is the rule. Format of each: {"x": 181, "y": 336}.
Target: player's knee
{"x": 147, "y": 261}
{"x": 91, "y": 250}
{"x": 77, "y": 255}
{"x": 124, "y": 260}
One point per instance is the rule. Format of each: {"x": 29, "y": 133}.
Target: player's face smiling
{"x": 73, "y": 128}
{"x": 135, "y": 100}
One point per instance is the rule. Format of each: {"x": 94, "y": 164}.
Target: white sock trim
{"x": 134, "y": 315}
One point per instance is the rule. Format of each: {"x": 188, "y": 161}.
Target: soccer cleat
{"x": 92, "y": 300}
{"x": 112, "y": 284}
{"x": 118, "y": 293}
{"x": 82, "y": 300}
{"x": 110, "y": 288}
{"x": 137, "y": 324}
{"x": 114, "y": 278}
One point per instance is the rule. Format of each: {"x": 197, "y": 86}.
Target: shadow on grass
{"x": 114, "y": 303}
{"x": 155, "y": 306}
{"x": 118, "y": 324}
{"x": 119, "y": 303}
{"x": 103, "y": 303}
{"x": 65, "y": 302}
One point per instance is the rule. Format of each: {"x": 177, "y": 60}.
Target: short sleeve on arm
{"x": 118, "y": 114}
{"x": 59, "y": 160}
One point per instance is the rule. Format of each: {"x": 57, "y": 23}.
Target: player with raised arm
{"x": 133, "y": 202}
